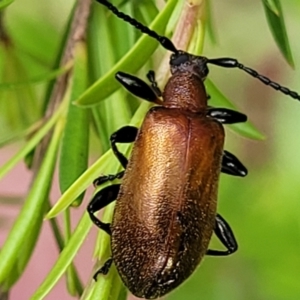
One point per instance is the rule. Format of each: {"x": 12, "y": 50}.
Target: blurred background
{"x": 263, "y": 208}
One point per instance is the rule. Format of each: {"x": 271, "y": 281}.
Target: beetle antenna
{"x": 233, "y": 63}
{"x": 164, "y": 41}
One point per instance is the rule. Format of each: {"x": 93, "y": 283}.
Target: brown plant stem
{"x": 192, "y": 12}
{"x": 77, "y": 34}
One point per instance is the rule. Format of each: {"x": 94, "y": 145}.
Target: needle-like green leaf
{"x": 37, "y": 79}
{"x": 4, "y": 3}
{"x": 31, "y": 216}
{"x": 74, "y": 150}
{"x": 65, "y": 258}
{"x": 32, "y": 142}
{"x": 276, "y": 23}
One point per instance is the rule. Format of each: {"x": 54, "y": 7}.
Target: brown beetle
{"x": 165, "y": 210}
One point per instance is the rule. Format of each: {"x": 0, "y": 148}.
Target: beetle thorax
{"x": 186, "y": 91}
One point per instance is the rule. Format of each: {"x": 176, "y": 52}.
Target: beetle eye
{"x": 179, "y": 58}
{"x": 205, "y": 70}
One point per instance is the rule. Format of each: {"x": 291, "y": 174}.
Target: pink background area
{"x": 15, "y": 185}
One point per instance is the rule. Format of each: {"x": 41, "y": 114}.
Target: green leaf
{"x": 65, "y": 259}
{"x": 210, "y": 24}
{"x": 115, "y": 112}
{"x": 145, "y": 12}
{"x": 131, "y": 62}
{"x": 32, "y": 142}
{"x": 123, "y": 294}
{"x": 27, "y": 247}
{"x": 276, "y": 23}
{"x": 108, "y": 288}
{"x": 37, "y": 79}
{"x": 74, "y": 284}
{"x": 74, "y": 150}
{"x": 29, "y": 221}
{"x": 23, "y": 108}
{"x": 19, "y": 134}
{"x": 4, "y": 3}
{"x": 272, "y": 6}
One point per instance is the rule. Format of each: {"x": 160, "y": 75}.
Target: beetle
{"x": 166, "y": 205}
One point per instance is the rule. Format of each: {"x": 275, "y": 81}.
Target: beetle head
{"x": 184, "y": 62}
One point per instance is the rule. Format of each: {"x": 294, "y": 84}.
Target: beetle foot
{"x": 104, "y": 269}
{"x": 105, "y": 178}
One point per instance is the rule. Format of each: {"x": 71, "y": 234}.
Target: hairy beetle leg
{"x": 104, "y": 269}
{"x": 226, "y": 116}
{"x": 126, "y": 134}
{"x": 105, "y": 178}
{"x": 100, "y": 200}
{"x": 232, "y": 166}
{"x": 154, "y": 85}
{"x": 138, "y": 87}
{"x": 226, "y": 236}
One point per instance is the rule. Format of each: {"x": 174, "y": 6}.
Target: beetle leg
{"x": 232, "y": 166}
{"x": 226, "y": 236}
{"x": 126, "y": 134}
{"x": 226, "y": 116}
{"x": 102, "y": 179}
{"x": 104, "y": 269}
{"x": 137, "y": 87}
{"x": 151, "y": 78}
{"x": 100, "y": 200}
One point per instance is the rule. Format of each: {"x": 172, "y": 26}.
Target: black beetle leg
{"x": 104, "y": 269}
{"x": 151, "y": 78}
{"x": 137, "y": 87}
{"x": 232, "y": 166}
{"x": 126, "y": 134}
{"x": 226, "y": 116}
{"x": 105, "y": 178}
{"x": 226, "y": 236}
{"x": 100, "y": 200}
